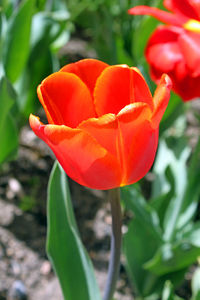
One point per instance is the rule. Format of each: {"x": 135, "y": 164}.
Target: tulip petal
{"x": 161, "y": 99}
{"x": 82, "y": 158}
{"x": 143, "y": 153}
{"x": 167, "y": 55}
{"x": 141, "y": 90}
{"x": 165, "y": 33}
{"x": 113, "y": 90}
{"x": 191, "y": 8}
{"x": 189, "y": 43}
{"x": 66, "y": 99}
{"x": 135, "y": 112}
{"x": 137, "y": 142}
{"x": 88, "y": 70}
{"x": 117, "y": 135}
{"x": 159, "y": 14}
{"x": 119, "y": 86}
{"x": 104, "y": 130}
{"x": 163, "y": 51}
{"x": 185, "y": 85}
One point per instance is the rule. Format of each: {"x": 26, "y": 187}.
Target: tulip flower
{"x": 103, "y": 122}
{"x": 174, "y": 48}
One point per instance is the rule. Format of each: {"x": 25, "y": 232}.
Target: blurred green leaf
{"x": 142, "y": 230}
{"x": 196, "y": 284}
{"x": 48, "y": 26}
{"x": 8, "y": 130}
{"x": 134, "y": 249}
{"x": 173, "y": 257}
{"x": 106, "y": 53}
{"x": 134, "y": 201}
{"x": 192, "y": 190}
{"x": 1, "y": 23}
{"x": 176, "y": 189}
{"x": 191, "y": 233}
{"x": 174, "y": 109}
{"x": 27, "y": 203}
{"x": 64, "y": 247}
{"x": 9, "y": 139}
{"x": 2, "y": 29}
{"x": 17, "y": 40}
{"x": 177, "y": 178}
{"x": 122, "y": 56}
{"x": 168, "y": 292}
{"x": 144, "y": 27}
{"x": 141, "y": 242}
{"x": 7, "y": 96}
{"x": 39, "y": 66}
{"x": 48, "y": 34}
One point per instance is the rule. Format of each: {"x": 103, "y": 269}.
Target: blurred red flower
{"x": 175, "y": 48}
{"x": 103, "y": 122}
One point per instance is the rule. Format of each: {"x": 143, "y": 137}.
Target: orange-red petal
{"x": 104, "y": 130}
{"x": 80, "y": 155}
{"x": 88, "y": 70}
{"x": 66, "y": 99}
{"x": 161, "y": 99}
{"x": 140, "y": 88}
{"x": 113, "y": 90}
{"x": 137, "y": 142}
{"x": 120, "y": 135}
{"x": 119, "y": 86}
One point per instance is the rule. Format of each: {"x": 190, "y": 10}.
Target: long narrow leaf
{"x": 8, "y": 129}
{"x": 17, "y": 40}
{"x": 64, "y": 247}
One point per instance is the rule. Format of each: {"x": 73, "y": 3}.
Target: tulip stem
{"x": 116, "y": 239}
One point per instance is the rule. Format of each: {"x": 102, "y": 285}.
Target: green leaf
{"x": 48, "y": 26}
{"x": 168, "y": 292}
{"x": 8, "y": 130}
{"x": 174, "y": 257}
{"x": 142, "y": 230}
{"x": 17, "y": 41}
{"x": 171, "y": 173}
{"x": 9, "y": 140}
{"x": 7, "y": 96}
{"x": 191, "y": 233}
{"x": 134, "y": 201}
{"x": 38, "y": 68}
{"x": 64, "y": 247}
{"x": 140, "y": 244}
{"x": 136, "y": 255}
{"x": 174, "y": 109}
{"x": 192, "y": 190}
{"x": 196, "y": 284}
{"x": 46, "y": 31}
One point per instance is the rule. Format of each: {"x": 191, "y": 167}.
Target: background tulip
{"x": 103, "y": 122}
{"x": 175, "y": 48}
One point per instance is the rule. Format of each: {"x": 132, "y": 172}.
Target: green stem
{"x": 116, "y": 239}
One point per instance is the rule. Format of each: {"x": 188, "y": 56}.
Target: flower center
{"x": 192, "y": 25}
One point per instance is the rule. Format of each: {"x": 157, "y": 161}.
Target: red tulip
{"x": 103, "y": 122}
{"x": 174, "y": 48}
